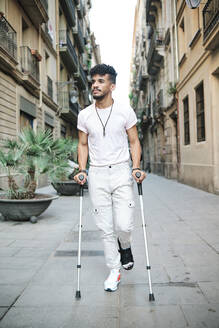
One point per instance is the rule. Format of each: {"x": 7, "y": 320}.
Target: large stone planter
{"x": 24, "y": 209}
{"x": 67, "y": 188}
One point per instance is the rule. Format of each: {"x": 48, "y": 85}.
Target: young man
{"x": 104, "y": 130}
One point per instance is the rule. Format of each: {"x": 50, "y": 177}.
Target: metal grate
{"x": 8, "y": 37}
{"x": 210, "y": 16}
{"x": 75, "y": 253}
{"x": 86, "y": 236}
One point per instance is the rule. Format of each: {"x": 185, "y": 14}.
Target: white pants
{"x": 111, "y": 193}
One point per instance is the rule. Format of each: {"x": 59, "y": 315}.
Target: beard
{"x": 100, "y": 97}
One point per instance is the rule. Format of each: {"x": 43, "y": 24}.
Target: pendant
{"x": 104, "y": 131}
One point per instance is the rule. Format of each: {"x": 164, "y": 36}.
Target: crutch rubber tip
{"x": 78, "y": 294}
{"x": 151, "y": 298}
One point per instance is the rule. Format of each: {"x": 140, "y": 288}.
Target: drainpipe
{"x": 176, "y": 40}
{"x": 58, "y": 56}
{"x": 40, "y": 69}
{"x": 178, "y": 138}
{"x": 177, "y": 96}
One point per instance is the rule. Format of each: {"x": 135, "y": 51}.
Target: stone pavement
{"x": 38, "y": 265}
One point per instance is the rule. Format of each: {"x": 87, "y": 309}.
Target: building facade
{"x": 173, "y": 48}
{"x": 46, "y": 51}
{"x": 197, "y": 88}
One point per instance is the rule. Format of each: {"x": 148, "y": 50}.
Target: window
{"x": 186, "y": 121}
{"x": 49, "y": 122}
{"x": 49, "y": 127}
{"x": 182, "y": 44}
{"x": 200, "y": 113}
{"x": 25, "y": 31}
{"x": 63, "y": 131}
{"x": 26, "y": 120}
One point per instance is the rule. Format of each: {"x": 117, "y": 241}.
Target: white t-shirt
{"x": 113, "y": 147}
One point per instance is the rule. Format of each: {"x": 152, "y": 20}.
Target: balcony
{"x": 80, "y": 9}
{"x": 151, "y": 10}
{"x": 29, "y": 67}
{"x": 78, "y": 35}
{"x": 46, "y": 34}
{"x": 69, "y": 10}
{"x": 69, "y": 110}
{"x": 81, "y": 78}
{"x": 160, "y": 101}
{"x": 146, "y": 118}
{"x": 49, "y": 87}
{"x": 89, "y": 3}
{"x": 37, "y": 10}
{"x": 155, "y": 108}
{"x": 8, "y": 44}
{"x": 156, "y": 52}
{"x": 211, "y": 24}
{"x": 143, "y": 77}
{"x": 67, "y": 51}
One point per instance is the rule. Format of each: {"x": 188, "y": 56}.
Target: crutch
{"x": 148, "y": 267}
{"x": 78, "y": 293}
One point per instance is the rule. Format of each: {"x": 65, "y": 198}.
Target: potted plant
{"x": 171, "y": 89}
{"x": 65, "y": 167}
{"x": 30, "y": 156}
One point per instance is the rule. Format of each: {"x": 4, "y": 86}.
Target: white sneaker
{"x": 111, "y": 283}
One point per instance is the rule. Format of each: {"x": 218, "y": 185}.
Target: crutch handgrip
{"x": 140, "y": 192}
{"x": 81, "y": 178}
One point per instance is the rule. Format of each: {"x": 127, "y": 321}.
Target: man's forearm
{"x": 82, "y": 156}
{"x": 135, "y": 153}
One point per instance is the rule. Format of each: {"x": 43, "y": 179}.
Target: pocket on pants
{"x": 131, "y": 204}
{"x": 96, "y": 211}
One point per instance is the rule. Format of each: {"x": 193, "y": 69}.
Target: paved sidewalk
{"x": 38, "y": 266}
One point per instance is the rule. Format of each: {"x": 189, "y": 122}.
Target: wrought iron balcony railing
{"x": 80, "y": 9}
{"x": 65, "y": 41}
{"x": 156, "y": 42}
{"x": 29, "y": 63}
{"x": 83, "y": 75}
{"x": 45, "y": 4}
{"x": 37, "y": 10}
{"x": 63, "y": 99}
{"x": 210, "y": 16}
{"x": 69, "y": 9}
{"x": 49, "y": 87}
{"x": 67, "y": 107}
{"x": 77, "y": 31}
{"x": 8, "y": 37}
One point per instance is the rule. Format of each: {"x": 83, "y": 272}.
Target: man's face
{"x": 101, "y": 86}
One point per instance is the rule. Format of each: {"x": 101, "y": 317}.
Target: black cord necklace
{"x": 104, "y": 125}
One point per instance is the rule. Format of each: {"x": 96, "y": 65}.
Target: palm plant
{"x": 9, "y": 160}
{"x": 35, "y": 153}
{"x": 62, "y": 151}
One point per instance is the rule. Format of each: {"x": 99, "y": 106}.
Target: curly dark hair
{"x": 103, "y": 69}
